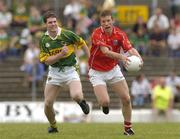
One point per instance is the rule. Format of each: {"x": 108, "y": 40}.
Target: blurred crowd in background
{"x": 162, "y": 92}
{"x": 159, "y": 36}
{"x": 22, "y": 24}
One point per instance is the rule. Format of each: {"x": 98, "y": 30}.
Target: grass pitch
{"x": 89, "y": 131}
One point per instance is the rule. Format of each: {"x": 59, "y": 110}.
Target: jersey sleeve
{"x": 80, "y": 43}
{"x": 44, "y": 53}
{"x": 75, "y": 39}
{"x": 98, "y": 40}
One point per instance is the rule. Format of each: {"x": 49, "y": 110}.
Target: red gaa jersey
{"x": 116, "y": 41}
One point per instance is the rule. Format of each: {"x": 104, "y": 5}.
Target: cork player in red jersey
{"x": 107, "y": 41}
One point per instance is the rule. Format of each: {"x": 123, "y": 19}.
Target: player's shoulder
{"x": 43, "y": 37}
{"x": 118, "y": 30}
{"x": 97, "y": 31}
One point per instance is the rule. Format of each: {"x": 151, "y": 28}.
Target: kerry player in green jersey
{"x": 57, "y": 49}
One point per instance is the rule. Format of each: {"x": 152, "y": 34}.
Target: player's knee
{"x": 48, "y": 103}
{"x": 77, "y": 96}
{"x": 126, "y": 100}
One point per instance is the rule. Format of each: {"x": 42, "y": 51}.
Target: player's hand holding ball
{"x": 134, "y": 63}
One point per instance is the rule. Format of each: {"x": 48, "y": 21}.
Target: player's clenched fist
{"x": 64, "y": 50}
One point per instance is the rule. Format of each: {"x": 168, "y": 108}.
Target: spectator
{"x": 140, "y": 90}
{"x": 32, "y": 67}
{"x": 4, "y": 42}
{"x": 158, "y": 19}
{"x": 35, "y": 21}
{"x": 174, "y": 82}
{"x": 91, "y": 8}
{"x": 140, "y": 41}
{"x": 45, "y": 6}
{"x": 153, "y": 82}
{"x": 140, "y": 25}
{"x": 173, "y": 41}
{"x": 175, "y": 22}
{"x": 162, "y": 98}
{"x": 178, "y": 94}
{"x": 175, "y": 7}
{"x": 82, "y": 26}
{"x": 14, "y": 49}
{"x": 20, "y": 13}
{"x": 5, "y": 16}
{"x": 72, "y": 12}
{"x": 157, "y": 43}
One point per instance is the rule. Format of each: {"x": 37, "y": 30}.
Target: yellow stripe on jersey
{"x": 80, "y": 44}
{"x": 44, "y": 56}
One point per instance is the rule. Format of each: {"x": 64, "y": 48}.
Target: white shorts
{"x": 61, "y": 77}
{"x": 101, "y": 78}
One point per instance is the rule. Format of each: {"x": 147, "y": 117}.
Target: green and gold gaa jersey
{"x": 50, "y": 46}
{"x": 4, "y": 41}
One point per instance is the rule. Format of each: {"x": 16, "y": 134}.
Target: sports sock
{"x": 127, "y": 125}
{"x": 53, "y": 125}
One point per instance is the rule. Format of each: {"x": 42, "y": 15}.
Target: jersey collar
{"x": 113, "y": 30}
{"x": 58, "y": 33}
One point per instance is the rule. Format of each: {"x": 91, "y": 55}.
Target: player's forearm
{"x": 86, "y": 50}
{"x": 53, "y": 59}
{"x": 111, "y": 54}
{"x": 114, "y": 55}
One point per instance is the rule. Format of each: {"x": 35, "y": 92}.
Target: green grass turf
{"x": 89, "y": 131}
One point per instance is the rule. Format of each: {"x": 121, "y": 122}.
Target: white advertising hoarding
{"x": 34, "y": 112}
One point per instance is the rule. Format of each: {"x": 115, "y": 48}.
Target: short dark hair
{"x": 47, "y": 15}
{"x": 106, "y": 13}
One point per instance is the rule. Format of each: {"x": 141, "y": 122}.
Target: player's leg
{"x": 102, "y": 97}
{"x": 75, "y": 88}
{"x": 122, "y": 89}
{"x": 50, "y": 94}
{"x": 76, "y": 93}
{"x": 98, "y": 79}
